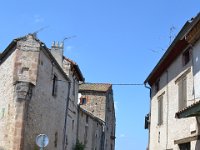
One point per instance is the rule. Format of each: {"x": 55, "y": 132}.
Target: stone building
{"x": 97, "y": 99}
{"x": 32, "y": 101}
{"x": 39, "y": 94}
{"x": 76, "y": 77}
{"x": 90, "y": 130}
{"x": 173, "y": 120}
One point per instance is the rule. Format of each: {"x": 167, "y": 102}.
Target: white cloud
{"x": 69, "y": 48}
{"x": 38, "y": 19}
{"x": 122, "y": 136}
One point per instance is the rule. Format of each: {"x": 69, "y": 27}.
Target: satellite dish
{"x": 42, "y": 140}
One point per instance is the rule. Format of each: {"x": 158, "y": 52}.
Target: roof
{"x": 189, "y": 111}
{"x": 100, "y": 87}
{"x": 77, "y": 69}
{"x": 174, "y": 50}
{"x": 43, "y": 46}
{"x": 92, "y": 116}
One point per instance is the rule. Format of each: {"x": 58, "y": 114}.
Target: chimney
{"x": 57, "y": 52}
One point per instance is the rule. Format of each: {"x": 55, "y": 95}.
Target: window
{"x": 182, "y": 93}
{"x": 186, "y": 57}
{"x": 74, "y": 87}
{"x": 157, "y": 85}
{"x": 160, "y": 110}
{"x": 72, "y": 124}
{"x": 56, "y": 139}
{"x": 54, "y": 90}
{"x": 83, "y": 101}
{"x": 184, "y": 146}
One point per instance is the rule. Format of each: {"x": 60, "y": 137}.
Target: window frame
{"x": 83, "y": 100}
{"x": 157, "y": 85}
{"x": 160, "y": 110}
{"x": 55, "y": 85}
{"x": 182, "y": 93}
{"x": 186, "y": 56}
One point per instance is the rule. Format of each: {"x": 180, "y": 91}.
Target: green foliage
{"x": 79, "y": 146}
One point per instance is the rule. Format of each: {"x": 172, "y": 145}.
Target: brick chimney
{"x": 57, "y": 51}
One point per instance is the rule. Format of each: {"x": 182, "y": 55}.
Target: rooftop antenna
{"x": 67, "y": 38}
{"x": 171, "y": 30}
{"x": 41, "y": 29}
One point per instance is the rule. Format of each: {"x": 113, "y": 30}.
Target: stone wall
{"x": 47, "y": 112}
{"x": 90, "y": 131}
{"x": 7, "y": 103}
{"x": 95, "y": 103}
{"x": 101, "y": 105}
{"x": 71, "y": 132}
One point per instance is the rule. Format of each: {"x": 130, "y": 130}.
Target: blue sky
{"x": 117, "y": 41}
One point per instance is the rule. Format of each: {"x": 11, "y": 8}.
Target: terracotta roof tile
{"x": 188, "y": 107}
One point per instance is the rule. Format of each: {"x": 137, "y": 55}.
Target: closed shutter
{"x": 160, "y": 110}
{"x": 182, "y": 93}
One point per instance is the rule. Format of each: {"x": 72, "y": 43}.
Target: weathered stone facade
{"x": 39, "y": 95}
{"x": 28, "y": 107}
{"x": 97, "y": 99}
{"x": 90, "y": 130}
{"x": 75, "y": 76}
{"x": 174, "y": 86}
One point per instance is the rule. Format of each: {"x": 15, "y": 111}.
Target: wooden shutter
{"x": 182, "y": 93}
{"x": 160, "y": 110}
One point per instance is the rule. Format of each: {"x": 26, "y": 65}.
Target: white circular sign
{"x": 42, "y": 140}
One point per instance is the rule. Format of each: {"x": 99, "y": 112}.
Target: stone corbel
{"x": 23, "y": 90}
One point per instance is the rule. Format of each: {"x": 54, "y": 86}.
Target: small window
{"x": 72, "y": 124}
{"x": 56, "y": 139}
{"x": 83, "y": 101}
{"x": 184, "y": 146}
{"x": 74, "y": 87}
{"x": 186, "y": 57}
{"x": 157, "y": 85}
{"x": 54, "y": 90}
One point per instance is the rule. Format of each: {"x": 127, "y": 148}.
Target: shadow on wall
{"x": 197, "y": 146}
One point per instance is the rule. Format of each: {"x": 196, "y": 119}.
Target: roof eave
{"x": 179, "y": 37}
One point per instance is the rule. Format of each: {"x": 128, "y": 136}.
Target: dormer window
{"x": 186, "y": 57}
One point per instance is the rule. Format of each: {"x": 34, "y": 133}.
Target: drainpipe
{"x": 150, "y": 91}
{"x": 167, "y": 117}
{"x": 66, "y": 113}
{"x": 77, "y": 129}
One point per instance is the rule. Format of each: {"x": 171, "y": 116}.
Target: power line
{"x": 118, "y": 84}
{"x": 128, "y": 84}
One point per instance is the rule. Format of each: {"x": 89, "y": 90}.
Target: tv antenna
{"x": 41, "y": 29}
{"x": 69, "y": 37}
{"x": 171, "y": 36}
